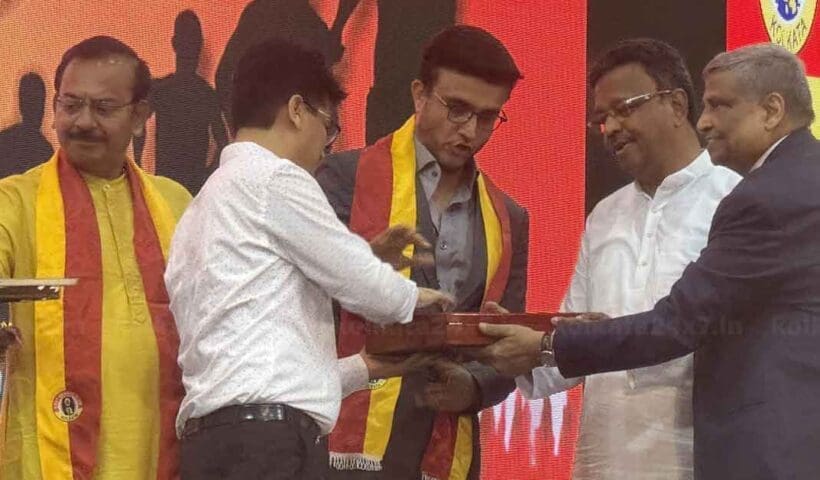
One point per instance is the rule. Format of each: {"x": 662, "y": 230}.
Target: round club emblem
{"x": 376, "y": 383}
{"x": 788, "y": 22}
{"x": 67, "y": 406}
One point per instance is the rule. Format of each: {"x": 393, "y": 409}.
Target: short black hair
{"x": 661, "y": 61}
{"x": 101, "y": 47}
{"x": 471, "y": 51}
{"x": 270, "y": 73}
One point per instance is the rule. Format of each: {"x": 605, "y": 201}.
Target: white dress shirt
{"x": 254, "y": 263}
{"x": 637, "y": 424}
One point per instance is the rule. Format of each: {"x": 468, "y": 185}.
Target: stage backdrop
{"x": 793, "y": 24}
{"x": 538, "y": 157}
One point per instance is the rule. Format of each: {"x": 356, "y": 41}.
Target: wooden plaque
{"x": 442, "y": 331}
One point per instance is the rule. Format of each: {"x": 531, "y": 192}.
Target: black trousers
{"x": 253, "y": 449}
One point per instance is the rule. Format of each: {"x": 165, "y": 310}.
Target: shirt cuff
{"x": 525, "y": 385}
{"x": 546, "y": 381}
{"x": 353, "y": 374}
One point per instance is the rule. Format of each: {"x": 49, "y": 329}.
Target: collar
{"x": 766, "y": 154}
{"x": 699, "y": 166}
{"x": 426, "y": 161}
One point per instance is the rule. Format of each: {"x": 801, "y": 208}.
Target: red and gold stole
{"x": 384, "y": 196}
{"x": 68, "y": 331}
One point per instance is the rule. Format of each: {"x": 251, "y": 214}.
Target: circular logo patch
{"x": 376, "y": 383}
{"x": 67, "y": 406}
{"x": 788, "y": 22}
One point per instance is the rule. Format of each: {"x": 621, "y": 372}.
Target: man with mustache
{"x": 424, "y": 176}
{"x": 748, "y": 305}
{"x": 95, "y": 386}
{"x": 638, "y": 423}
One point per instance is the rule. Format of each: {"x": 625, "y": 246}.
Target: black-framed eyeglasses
{"x": 460, "y": 114}
{"x": 622, "y": 110}
{"x": 332, "y": 127}
{"x": 102, "y": 108}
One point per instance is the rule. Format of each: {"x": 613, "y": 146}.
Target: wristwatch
{"x": 547, "y": 356}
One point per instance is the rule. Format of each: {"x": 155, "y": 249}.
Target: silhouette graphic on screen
{"x": 187, "y": 112}
{"x": 293, "y": 20}
{"x": 403, "y": 28}
{"x": 23, "y": 145}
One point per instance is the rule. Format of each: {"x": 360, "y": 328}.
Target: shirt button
{"x": 443, "y": 245}
{"x": 643, "y": 263}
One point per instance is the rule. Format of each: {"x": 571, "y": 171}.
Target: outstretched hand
{"x": 429, "y": 297}
{"x": 389, "y": 246}
{"x": 516, "y": 351}
{"x": 9, "y": 337}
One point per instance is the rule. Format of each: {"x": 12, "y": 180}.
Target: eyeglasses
{"x": 622, "y": 110}
{"x": 100, "y": 108}
{"x": 460, "y": 114}
{"x": 332, "y": 127}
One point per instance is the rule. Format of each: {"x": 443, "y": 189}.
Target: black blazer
{"x": 337, "y": 176}
{"x": 749, "y": 308}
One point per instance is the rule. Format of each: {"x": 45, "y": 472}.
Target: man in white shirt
{"x": 253, "y": 267}
{"x": 637, "y": 423}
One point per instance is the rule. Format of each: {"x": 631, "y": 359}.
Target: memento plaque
{"x": 433, "y": 332}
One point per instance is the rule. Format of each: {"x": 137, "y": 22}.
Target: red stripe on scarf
{"x": 369, "y": 216}
{"x": 82, "y": 325}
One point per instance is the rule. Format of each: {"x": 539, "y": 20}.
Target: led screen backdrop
{"x": 538, "y": 157}
{"x": 793, "y": 24}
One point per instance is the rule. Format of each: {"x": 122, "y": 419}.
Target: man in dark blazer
{"x": 466, "y": 77}
{"x": 749, "y": 307}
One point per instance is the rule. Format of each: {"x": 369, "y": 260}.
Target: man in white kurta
{"x": 637, "y": 424}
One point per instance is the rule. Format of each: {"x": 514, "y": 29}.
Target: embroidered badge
{"x": 67, "y": 406}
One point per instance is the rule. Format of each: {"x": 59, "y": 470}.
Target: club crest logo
{"x": 67, "y": 406}
{"x": 788, "y": 22}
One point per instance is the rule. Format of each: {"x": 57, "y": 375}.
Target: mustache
{"x": 611, "y": 141}
{"x": 85, "y": 135}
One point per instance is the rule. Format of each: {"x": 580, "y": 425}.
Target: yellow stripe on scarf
{"x": 52, "y": 433}
{"x": 463, "y": 452}
{"x": 492, "y": 231}
{"x": 159, "y": 209}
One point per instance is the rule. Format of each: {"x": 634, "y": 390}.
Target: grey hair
{"x": 765, "y": 68}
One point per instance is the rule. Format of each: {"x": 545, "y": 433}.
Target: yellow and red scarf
{"x": 68, "y": 331}
{"x": 384, "y": 196}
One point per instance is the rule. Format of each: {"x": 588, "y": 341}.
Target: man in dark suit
{"x": 749, "y": 307}
{"x": 424, "y": 176}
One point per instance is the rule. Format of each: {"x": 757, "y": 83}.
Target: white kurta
{"x": 637, "y": 424}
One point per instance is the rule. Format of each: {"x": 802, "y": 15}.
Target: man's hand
{"x": 516, "y": 352}
{"x": 387, "y": 366}
{"x": 9, "y": 337}
{"x": 492, "y": 307}
{"x": 452, "y": 388}
{"x": 390, "y": 244}
{"x": 429, "y": 297}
